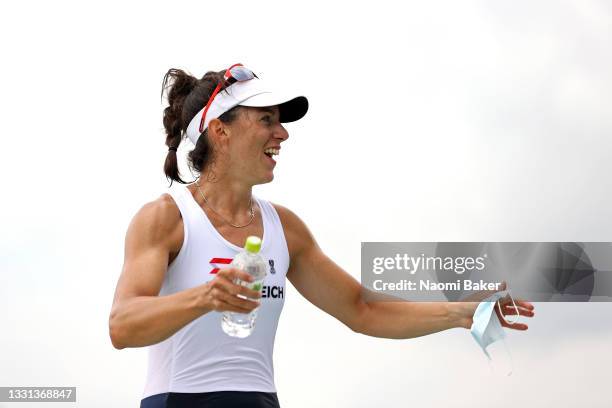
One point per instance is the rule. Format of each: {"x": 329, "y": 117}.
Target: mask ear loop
{"x": 503, "y": 316}
{"x": 509, "y": 321}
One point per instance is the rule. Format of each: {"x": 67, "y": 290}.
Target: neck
{"x": 229, "y": 198}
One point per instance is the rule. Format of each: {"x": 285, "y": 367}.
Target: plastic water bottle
{"x": 249, "y": 260}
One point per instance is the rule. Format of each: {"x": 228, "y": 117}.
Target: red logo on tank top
{"x": 215, "y": 262}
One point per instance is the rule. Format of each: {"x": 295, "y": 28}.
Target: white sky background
{"x": 429, "y": 121}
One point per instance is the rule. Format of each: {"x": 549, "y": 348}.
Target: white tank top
{"x": 201, "y": 357}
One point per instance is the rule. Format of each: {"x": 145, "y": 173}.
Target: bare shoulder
{"x": 297, "y": 234}
{"x": 149, "y": 247}
{"x": 291, "y": 222}
{"x": 285, "y": 214}
{"x": 157, "y": 222}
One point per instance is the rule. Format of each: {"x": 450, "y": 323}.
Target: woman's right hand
{"x": 225, "y": 294}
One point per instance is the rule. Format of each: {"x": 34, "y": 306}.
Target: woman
{"x": 175, "y": 278}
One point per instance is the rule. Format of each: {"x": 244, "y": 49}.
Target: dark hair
{"x": 187, "y": 95}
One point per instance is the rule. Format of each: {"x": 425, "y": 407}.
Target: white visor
{"x": 254, "y": 92}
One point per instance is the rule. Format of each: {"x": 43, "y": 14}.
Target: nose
{"x": 281, "y": 133}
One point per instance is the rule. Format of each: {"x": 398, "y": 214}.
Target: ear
{"x": 218, "y": 132}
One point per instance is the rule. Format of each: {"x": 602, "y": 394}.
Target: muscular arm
{"x": 337, "y": 293}
{"x": 139, "y": 316}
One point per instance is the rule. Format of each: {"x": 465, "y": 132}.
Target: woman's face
{"x": 254, "y": 131}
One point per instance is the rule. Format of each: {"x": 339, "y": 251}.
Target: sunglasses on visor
{"x": 235, "y": 73}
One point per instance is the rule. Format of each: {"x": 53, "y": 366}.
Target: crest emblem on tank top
{"x": 271, "y": 262}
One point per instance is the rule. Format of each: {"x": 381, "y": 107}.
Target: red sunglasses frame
{"x": 228, "y": 79}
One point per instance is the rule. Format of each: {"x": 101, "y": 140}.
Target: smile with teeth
{"x": 271, "y": 152}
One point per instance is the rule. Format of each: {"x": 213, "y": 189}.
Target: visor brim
{"x": 290, "y": 108}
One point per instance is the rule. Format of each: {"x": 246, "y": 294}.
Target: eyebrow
{"x": 268, "y": 110}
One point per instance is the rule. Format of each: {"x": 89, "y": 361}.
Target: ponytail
{"x": 187, "y": 95}
{"x": 178, "y": 85}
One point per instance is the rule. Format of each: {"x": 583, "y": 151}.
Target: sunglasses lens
{"x": 241, "y": 73}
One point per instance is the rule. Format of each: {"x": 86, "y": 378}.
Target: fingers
{"x": 232, "y": 274}
{"x": 233, "y": 280}
{"x": 222, "y": 300}
{"x": 506, "y": 307}
{"x": 221, "y": 306}
{"x": 509, "y": 325}
{"x": 228, "y": 293}
{"x": 511, "y": 310}
{"x": 520, "y": 307}
{"x": 236, "y": 289}
{"x": 524, "y": 304}
{"x": 515, "y": 326}
{"x": 244, "y": 305}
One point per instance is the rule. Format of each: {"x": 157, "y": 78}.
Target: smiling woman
{"x": 191, "y": 109}
{"x": 175, "y": 282}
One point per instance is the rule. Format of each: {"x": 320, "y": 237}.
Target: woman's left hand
{"x": 505, "y": 307}
{"x": 466, "y": 311}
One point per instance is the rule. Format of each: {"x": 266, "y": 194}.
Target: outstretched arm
{"x": 333, "y": 290}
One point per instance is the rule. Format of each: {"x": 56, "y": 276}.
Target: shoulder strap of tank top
{"x": 272, "y": 218}
{"x": 269, "y": 213}
{"x": 177, "y": 194}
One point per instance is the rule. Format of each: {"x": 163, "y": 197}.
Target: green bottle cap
{"x": 253, "y": 244}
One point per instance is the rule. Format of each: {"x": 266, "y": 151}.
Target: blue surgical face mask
{"x": 486, "y": 327}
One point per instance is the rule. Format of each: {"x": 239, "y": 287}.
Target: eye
{"x": 267, "y": 119}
